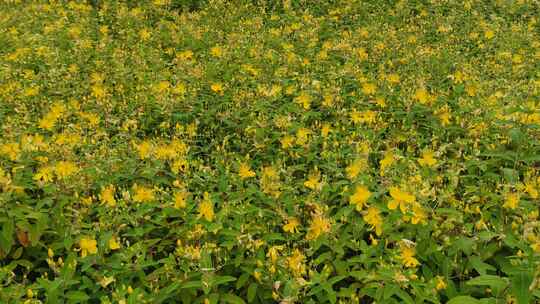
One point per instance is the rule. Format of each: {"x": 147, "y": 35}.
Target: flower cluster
{"x": 285, "y": 151}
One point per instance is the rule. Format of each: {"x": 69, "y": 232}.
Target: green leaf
{"x": 494, "y": 282}
{"x": 186, "y": 297}
{"x": 331, "y": 294}
{"x": 222, "y": 280}
{"x": 464, "y": 244}
{"x": 323, "y": 257}
{"x": 77, "y": 296}
{"x": 463, "y": 300}
{"x": 34, "y": 233}
{"x": 404, "y": 296}
{"x": 6, "y": 237}
{"x": 516, "y": 135}
{"x": 510, "y": 175}
{"x": 242, "y": 280}
{"x": 389, "y": 291}
{"x": 192, "y": 284}
{"x": 486, "y": 235}
{"x": 17, "y": 253}
{"x": 230, "y": 298}
{"x": 252, "y": 292}
{"x": 166, "y": 292}
{"x": 520, "y": 287}
{"x": 480, "y": 266}
{"x": 336, "y": 279}
{"x": 213, "y": 297}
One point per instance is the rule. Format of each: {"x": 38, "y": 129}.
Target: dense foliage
{"x": 346, "y": 151}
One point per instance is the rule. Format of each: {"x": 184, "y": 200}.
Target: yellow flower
{"x": 162, "y": 87}
{"x": 180, "y": 165}
{"x": 511, "y": 201}
{"x": 302, "y": 136}
{"x": 270, "y": 182}
{"x": 536, "y": 246}
{"x": 531, "y": 189}
{"x": 257, "y": 275}
{"x": 400, "y": 278}
{"x": 165, "y": 152}
{"x": 325, "y": 129}
{"x": 143, "y": 194}
{"x": 217, "y": 88}
{"x": 360, "y": 197}
{"x": 93, "y": 119}
{"x": 44, "y": 174}
{"x": 32, "y": 142}
{"x": 319, "y": 225}
{"x": 313, "y": 181}
{"x": 113, "y": 244}
{"x": 273, "y": 253}
{"x": 292, "y": 225}
{"x": 355, "y": 168}
{"x": 248, "y": 68}
{"x": 216, "y": 51}
{"x": 373, "y": 217}
{"x": 64, "y": 169}
{"x": 190, "y": 251}
{"x": 96, "y": 77}
{"x": 386, "y": 162}
{"x": 362, "y": 54}
{"x": 98, "y": 91}
{"x": 5, "y": 179}
{"x": 480, "y": 224}
{"x": 245, "y": 171}
{"x": 107, "y": 196}
{"x": 144, "y": 34}
{"x": 206, "y": 208}
{"x": 422, "y": 96}
{"x": 373, "y": 240}
{"x": 369, "y": 88}
{"x": 270, "y": 172}
{"x": 427, "y": 159}
{"x": 407, "y": 255}
{"x": 185, "y": 55}
{"x": 304, "y": 100}
{"x": 356, "y": 116}
{"x": 380, "y": 102}
{"x": 400, "y": 198}
{"x": 444, "y": 115}
{"x": 49, "y": 120}
{"x": 367, "y": 116}
{"x": 287, "y": 141}
{"x": 328, "y": 100}
{"x": 87, "y": 246}
{"x": 419, "y": 215}
{"x": 393, "y": 78}
{"x": 441, "y": 284}
{"x": 87, "y": 200}
{"x": 296, "y": 263}
{"x": 471, "y": 90}
{"x": 180, "y": 199}
{"x": 179, "y": 89}
{"x": 12, "y": 150}
{"x": 144, "y": 149}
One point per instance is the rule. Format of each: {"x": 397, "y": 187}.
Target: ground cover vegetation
{"x": 270, "y": 151}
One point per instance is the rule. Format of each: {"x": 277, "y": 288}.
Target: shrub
{"x": 269, "y": 151}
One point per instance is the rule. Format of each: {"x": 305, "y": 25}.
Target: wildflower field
{"x": 339, "y": 151}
